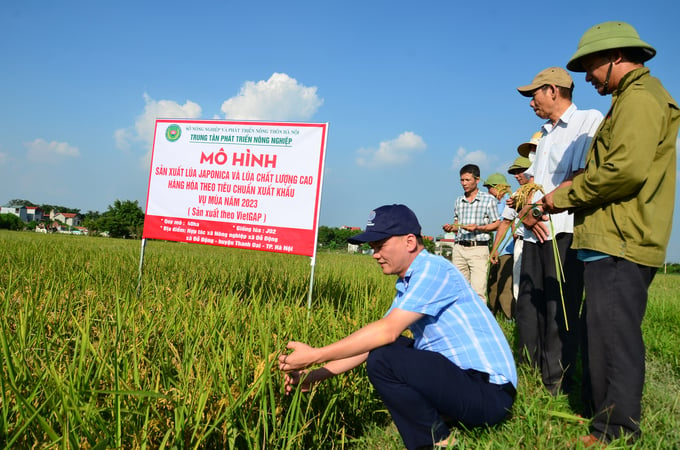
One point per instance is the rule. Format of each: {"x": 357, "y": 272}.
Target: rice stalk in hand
{"x": 520, "y": 197}
{"x": 523, "y": 195}
{"x": 559, "y": 272}
{"x": 503, "y": 189}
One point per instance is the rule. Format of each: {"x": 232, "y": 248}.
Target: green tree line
{"x": 332, "y": 238}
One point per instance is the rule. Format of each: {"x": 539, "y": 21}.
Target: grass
{"x": 190, "y": 363}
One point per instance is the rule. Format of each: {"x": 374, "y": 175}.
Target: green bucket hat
{"x": 495, "y": 179}
{"x": 521, "y": 163}
{"x": 608, "y": 36}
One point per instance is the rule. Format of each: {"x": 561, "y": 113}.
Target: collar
{"x": 479, "y": 191}
{"x": 630, "y": 78}
{"x": 563, "y": 121}
{"x": 417, "y": 261}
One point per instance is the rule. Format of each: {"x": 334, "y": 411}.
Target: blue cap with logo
{"x": 387, "y": 221}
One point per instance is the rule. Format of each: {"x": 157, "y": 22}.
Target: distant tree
{"x": 671, "y": 268}
{"x": 343, "y": 234}
{"x": 20, "y": 202}
{"x": 326, "y": 237}
{"x": 58, "y": 208}
{"x": 92, "y": 225}
{"x": 94, "y": 215}
{"x": 10, "y": 222}
{"x": 429, "y": 245}
{"x": 333, "y": 238}
{"x": 123, "y": 219}
{"x": 92, "y": 220}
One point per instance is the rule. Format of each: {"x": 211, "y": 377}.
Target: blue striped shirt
{"x": 456, "y": 323}
{"x": 507, "y": 245}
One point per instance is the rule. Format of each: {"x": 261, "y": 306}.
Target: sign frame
{"x": 293, "y": 142}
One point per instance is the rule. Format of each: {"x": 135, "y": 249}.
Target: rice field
{"x": 189, "y": 361}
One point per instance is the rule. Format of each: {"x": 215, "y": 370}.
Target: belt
{"x": 472, "y": 243}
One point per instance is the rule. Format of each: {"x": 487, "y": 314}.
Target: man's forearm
{"x": 500, "y": 233}
{"x": 373, "y": 335}
{"x": 337, "y": 367}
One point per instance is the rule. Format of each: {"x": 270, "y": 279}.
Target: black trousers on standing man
{"x": 546, "y": 340}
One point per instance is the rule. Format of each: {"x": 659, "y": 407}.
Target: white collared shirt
{"x": 561, "y": 152}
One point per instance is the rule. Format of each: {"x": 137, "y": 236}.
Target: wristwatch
{"x": 537, "y": 212}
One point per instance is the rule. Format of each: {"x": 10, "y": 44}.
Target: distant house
{"x": 70, "y": 219}
{"x": 25, "y": 213}
{"x": 19, "y": 211}
{"x": 352, "y": 248}
{"x": 444, "y": 246}
{"x": 34, "y": 213}
{"x": 80, "y": 230}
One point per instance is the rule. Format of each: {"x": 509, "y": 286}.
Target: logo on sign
{"x": 173, "y": 133}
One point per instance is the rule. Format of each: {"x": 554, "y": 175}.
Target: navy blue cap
{"x": 388, "y": 221}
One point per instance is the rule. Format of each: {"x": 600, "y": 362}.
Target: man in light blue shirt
{"x": 456, "y": 370}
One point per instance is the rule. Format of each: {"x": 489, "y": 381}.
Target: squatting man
{"x": 457, "y": 369}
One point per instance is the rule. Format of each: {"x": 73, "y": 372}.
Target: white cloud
{"x": 279, "y": 98}
{"x": 142, "y": 130}
{"x": 394, "y": 152}
{"x": 163, "y": 109}
{"x": 463, "y": 157}
{"x": 42, "y": 151}
{"x": 4, "y": 157}
{"x": 123, "y": 137}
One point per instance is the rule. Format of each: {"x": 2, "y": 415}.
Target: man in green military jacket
{"x": 623, "y": 207}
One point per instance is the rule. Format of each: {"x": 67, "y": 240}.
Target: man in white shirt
{"x": 547, "y": 314}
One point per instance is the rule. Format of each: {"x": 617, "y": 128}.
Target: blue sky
{"x": 411, "y": 90}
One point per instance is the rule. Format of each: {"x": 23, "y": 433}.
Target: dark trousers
{"x": 545, "y": 339}
{"x": 422, "y": 390}
{"x": 500, "y": 287}
{"x": 616, "y": 294}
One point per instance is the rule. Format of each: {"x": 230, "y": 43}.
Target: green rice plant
{"x": 190, "y": 362}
